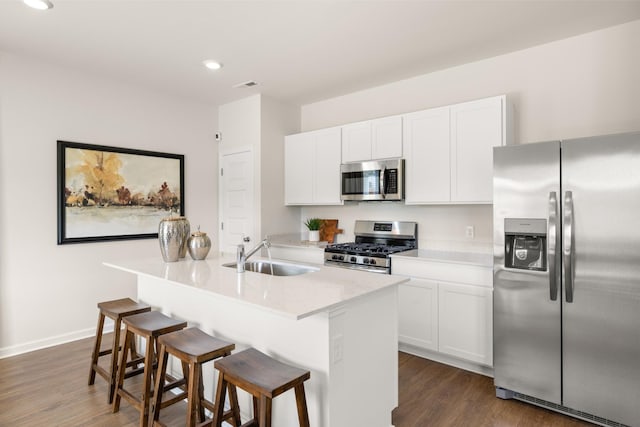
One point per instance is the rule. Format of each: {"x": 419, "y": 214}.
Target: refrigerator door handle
{"x": 568, "y": 243}
{"x": 552, "y": 250}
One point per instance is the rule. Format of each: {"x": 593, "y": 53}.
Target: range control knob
{"x": 334, "y": 256}
{"x": 353, "y": 259}
{"x": 365, "y": 260}
{"x": 372, "y": 261}
{"x": 341, "y": 257}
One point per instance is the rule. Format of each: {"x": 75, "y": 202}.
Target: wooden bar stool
{"x": 193, "y": 348}
{"x": 150, "y": 326}
{"x": 264, "y": 378}
{"x": 115, "y": 310}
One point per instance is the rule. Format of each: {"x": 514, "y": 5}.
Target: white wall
{"x": 48, "y": 293}
{"x": 260, "y": 123}
{"x": 581, "y": 86}
{"x": 239, "y": 124}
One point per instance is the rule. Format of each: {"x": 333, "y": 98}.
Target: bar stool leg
{"x": 96, "y": 349}
{"x": 265, "y": 411}
{"x": 159, "y": 385}
{"x": 200, "y": 395}
{"x": 121, "y": 369}
{"x": 301, "y": 403}
{"x": 115, "y": 347}
{"x": 147, "y": 381}
{"x": 192, "y": 400}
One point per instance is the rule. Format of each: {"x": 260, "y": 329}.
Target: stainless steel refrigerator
{"x": 567, "y": 276}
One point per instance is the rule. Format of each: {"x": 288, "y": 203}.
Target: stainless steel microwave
{"x": 373, "y": 180}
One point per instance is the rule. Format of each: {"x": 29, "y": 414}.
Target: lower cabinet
{"x": 418, "y": 314}
{"x": 446, "y": 318}
{"x": 465, "y": 322}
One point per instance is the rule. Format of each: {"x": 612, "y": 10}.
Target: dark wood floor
{"x": 49, "y": 387}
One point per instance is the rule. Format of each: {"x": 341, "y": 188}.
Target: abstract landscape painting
{"x": 109, "y": 193}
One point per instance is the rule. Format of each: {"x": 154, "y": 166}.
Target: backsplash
{"x": 440, "y": 227}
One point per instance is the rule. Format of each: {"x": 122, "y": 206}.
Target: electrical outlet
{"x": 469, "y": 232}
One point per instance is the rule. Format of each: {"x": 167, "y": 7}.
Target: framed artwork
{"x": 110, "y": 193}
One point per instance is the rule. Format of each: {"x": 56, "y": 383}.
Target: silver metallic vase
{"x": 186, "y": 229}
{"x": 172, "y": 236}
{"x": 199, "y": 245}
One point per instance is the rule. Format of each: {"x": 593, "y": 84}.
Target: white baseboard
{"x": 447, "y": 360}
{"x": 30, "y": 346}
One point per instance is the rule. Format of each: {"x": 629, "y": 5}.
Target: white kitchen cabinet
{"x": 465, "y": 322}
{"x": 418, "y": 315}
{"x": 449, "y": 151}
{"x": 372, "y": 139}
{"x": 445, "y": 312}
{"x": 312, "y": 168}
{"x": 476, "y": 127}
{"x": 356, "y": 142}
{"x": 426, "y": 136}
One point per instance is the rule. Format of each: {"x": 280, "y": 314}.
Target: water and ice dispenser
{"x": 525, "y": 243}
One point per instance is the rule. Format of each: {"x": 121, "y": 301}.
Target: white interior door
{"x": 236, "y": 200}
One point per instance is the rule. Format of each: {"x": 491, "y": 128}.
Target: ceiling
{"x": 298, "y": 51}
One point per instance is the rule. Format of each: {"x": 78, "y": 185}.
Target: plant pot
{"x": 314, "y": 235}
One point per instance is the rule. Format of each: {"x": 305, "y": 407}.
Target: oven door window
{"x": 361, "y": 182}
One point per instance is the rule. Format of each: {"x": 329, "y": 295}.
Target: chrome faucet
{"x": 242, "y": 257}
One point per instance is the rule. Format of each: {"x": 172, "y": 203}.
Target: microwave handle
{"x": 383, "y": 172}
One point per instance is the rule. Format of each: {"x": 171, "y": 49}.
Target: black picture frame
{"x": 112, "y": 193}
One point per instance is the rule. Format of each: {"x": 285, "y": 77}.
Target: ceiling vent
{"x": 245, "y": 84}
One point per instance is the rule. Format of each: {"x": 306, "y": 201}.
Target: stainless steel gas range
{"x": 375, "y": 242}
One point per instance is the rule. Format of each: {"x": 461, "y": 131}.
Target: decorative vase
{"x": 199, "y": 245}
{"x": 172, "y": 236}
{"x": 186, "y": 229}
{"x": 314, "y": 235}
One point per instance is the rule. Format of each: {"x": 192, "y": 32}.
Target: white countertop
{"x": 482, "y": 259}
{"x": 292, "y": 296}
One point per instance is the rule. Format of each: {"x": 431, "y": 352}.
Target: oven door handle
{"x": 383, "y": 172}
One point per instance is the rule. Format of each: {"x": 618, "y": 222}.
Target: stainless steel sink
{"x": 279, "y": 268}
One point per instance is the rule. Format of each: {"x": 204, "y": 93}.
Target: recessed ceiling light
{"x": 39, "y": 4}
{"x": 212, "y": 65}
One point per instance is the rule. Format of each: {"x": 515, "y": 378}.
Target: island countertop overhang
{"x": 295, "y": 297}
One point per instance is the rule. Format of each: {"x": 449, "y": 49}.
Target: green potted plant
{"x": 313, "y": 224}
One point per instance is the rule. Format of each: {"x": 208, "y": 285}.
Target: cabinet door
{"x": 356, "y": 142}
{"x": 326, "y": 186}
{"x": 465, "y": 322}
{"x": 426, "y": 149}
{"x": 476, "y": 127}
{"x": 299, "y": 153}
{"x": 386, "y": 138}
{"x": 418, "y": 314}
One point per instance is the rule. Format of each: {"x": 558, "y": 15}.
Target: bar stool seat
{"x": 115, "y": 310}
{"x": 149, "y": 326}
{"x": 264, "y": 378}
{"x": 192, "y": 347}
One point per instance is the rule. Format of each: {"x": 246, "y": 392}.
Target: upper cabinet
{"x": 449, "y": 151}
{"x": 312, "y": 168}
{"x": 372, "y": 139}
{"x": 426, "y": 149}
{"x": 476, "y": 127}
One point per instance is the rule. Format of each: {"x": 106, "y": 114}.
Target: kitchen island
{"x": 340, "y": 324}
